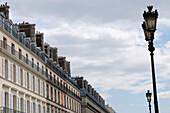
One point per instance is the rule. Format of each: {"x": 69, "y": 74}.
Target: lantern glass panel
{"x": 150, "y": 23}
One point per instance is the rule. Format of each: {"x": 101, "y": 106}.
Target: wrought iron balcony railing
{"x": 8, "y": 110}
{"x": 31, "y": 64}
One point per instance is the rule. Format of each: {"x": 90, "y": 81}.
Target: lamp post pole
{"x": 151, "y": 49}
{"x": 149, "y": 27}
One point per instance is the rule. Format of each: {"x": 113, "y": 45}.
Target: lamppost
{"x": 148, "y": 96}
{"x": 149, "y": 28}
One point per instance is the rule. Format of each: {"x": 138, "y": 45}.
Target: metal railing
{"x": 8, "y": 110}
{"x": 44, "y": 73}
{"x": 49, "y": 63}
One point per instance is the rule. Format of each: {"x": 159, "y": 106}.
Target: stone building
{"x": 92, "y": 102}
{"x": 31, "y": 80}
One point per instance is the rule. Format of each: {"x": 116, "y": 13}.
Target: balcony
{"x": 8, "y": 110}
{"x": 25, "y": 60}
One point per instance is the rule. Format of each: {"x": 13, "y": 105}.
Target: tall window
{"x": 14, "y": 102}
{"x": 61, "y": 83}
{"x": 54, "y": 79}
{"x": 42, "y": 70}
{"x": 51, "y": 93}
{"x": 58, "y": 97}
{"x": 37, "y": 66}
{"x": 6, "y": 100}
{"x": 43, "y": 109}
{"x": 28, "y": 106}
{"x": 50, "y": 76}
{"x": 21, "y": 104}
{"x": 14, "y": 72}
{"x": 47, "y": 73}
{"x": 33, "y": 83}
{"x": 64, "y": 100}
{"x": 57, "y": 81}
{"x": 33, "y": 107}
{"x": 67, "y": 101}
{"x": 43, "y": 89}
{"x": 27, "y": 80}
{"x": 21, "y": 73}
{"x": 47, "y": 91}
{"x": 5, "y": 43}
{"x": 12, "y": 49}
{"x": 39, "y": 108}
{"x": 20, "y": 54}
{"x": 55, "y": 94}
{"x": 32, "y": 63}
{"x": 27, "y": 58}
{"x": 38, "y": 86}
{"x": 6, "y": 69}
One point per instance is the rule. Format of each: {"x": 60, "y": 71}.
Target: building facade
{"x": 30, "y": 78}
{"x": 33, "y": 79}
{"x": 92, "y": 102}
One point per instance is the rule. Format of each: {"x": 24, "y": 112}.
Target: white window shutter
{"x": 4, "y": 67}
{"x": 3, "y": 99}
{"x": 45, "y": 89}
{"x": 30, "y": 81}
{"x": 12, "y": 67}
{"x": 26, "y": 79}
{"x": 16, "y": 73}
{"x": 12, "y": 101}
{"x": 19, "y": 71}
{"x": 8, "y": 70}
{"x": 23, "y": 74}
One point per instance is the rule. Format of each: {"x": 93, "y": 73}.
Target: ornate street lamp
{"x": 149, "y": 28}
{"x": 148, "y": 96}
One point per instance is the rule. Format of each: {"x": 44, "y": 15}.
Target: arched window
{"x": 32, "y": 63}
{"x": 37, "y": 66}
{"x": 27, "y": 58}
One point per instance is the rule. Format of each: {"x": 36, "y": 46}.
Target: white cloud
{"x": 164, "y": 94}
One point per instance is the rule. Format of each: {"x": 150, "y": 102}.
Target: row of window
{"x": 59, "y": 97}
{"x": 20, "y": 76}
{"x": 49, "y": 75}
{"x": 12, "y": 103}
{"x": 25, "y": 79}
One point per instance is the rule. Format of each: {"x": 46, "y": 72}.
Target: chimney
{"x": 55, "y": 54}
{"x": 4, "y": 8}
{"x": 47, "y": 48}
{"x": 40, "y": 40}
{"x": 79, "y": 81}
{"x": 68, "y": 70}
{"x": 62, "y": 62}
{"x": 29, "y": 30}
{"x": 65, "y": 65}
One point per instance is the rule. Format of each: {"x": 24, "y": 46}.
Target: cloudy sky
{"x": 104, "y": 41}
